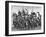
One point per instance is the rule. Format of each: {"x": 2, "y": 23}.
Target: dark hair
{"x": 33, "y": 13}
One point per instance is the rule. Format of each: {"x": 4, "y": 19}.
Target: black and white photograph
{"x": 25, "y": 18}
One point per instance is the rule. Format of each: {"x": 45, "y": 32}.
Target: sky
{"x": 15, "y": 9}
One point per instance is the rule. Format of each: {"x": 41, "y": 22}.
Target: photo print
{"x": 25, "y": 18}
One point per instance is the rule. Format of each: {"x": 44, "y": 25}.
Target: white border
{"x": 24, "y": 32}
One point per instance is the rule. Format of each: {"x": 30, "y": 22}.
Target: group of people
{"x": 25, "y": 21}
